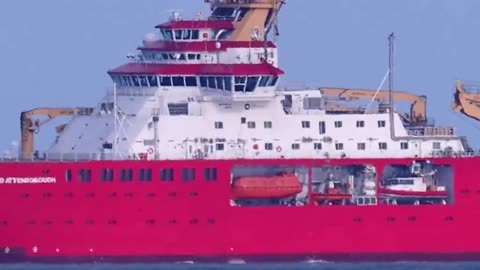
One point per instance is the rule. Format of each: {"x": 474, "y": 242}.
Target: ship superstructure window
{"x": 381, "y": 124}
{"x": 178, "y": 108}
{"x": 360, "y": 124}
{"x": 210, "y": 174}
{"x": 251, "y": 125}
{"x": 436, "y": 145}
{"x": 404, "y": 145}
{"x": 339, "y": 146}
{"x": 269, "y": 146}
{"x": 192, "y": 56}
{"x": 219, "y": 125}
{"x": 216, "y": 82}
{"x": 240, "y": 83}
{"x": 126, "y": 175}
{"x": 268, "y": 81}
{"x": 296, "y": 146}
{"x": 219, "y": 147}
{"x": 178, "y": 81}
{"x": 338, "y": 124}
{"x": 305, "y": 124}
{"x": 361, "y": 146}
{"x": 317, "y": 146}
{"x": 188, "y": 174}
{"x": 181, "y": 34}
{"x": 166, "y": 175}
{"x": 84, "y": 176}
{"x": 191, "y": 81}
{"x": 382, "y": 146}
{"x": 321, "y": 127}
{"x": 165, "y": 81}
{"x": 68, "y": 176}
{"x": 251, "y": 84}
{"x": 106, "y": 175}
{"x": 145, "y": 175}
{"x": 153, "y": 81}
{"x": 267, "y": 124}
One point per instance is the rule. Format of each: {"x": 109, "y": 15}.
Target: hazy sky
{"x": 57, "y": 53}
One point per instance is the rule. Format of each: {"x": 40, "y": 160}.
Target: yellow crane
{"x": 418, "y": 107}
{"x": 468, "y": 103}
{"x": 30, "y": 126}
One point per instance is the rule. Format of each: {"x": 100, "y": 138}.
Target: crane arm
{"x": 465, "y": 102}
{"x": 28, "y": 126}
{"x": 418, "y": 103}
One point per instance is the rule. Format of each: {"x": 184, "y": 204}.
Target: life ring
{"x": 279, "y": 149}
{"x": 150, "y": 151}
{"x": 247, "y": 106}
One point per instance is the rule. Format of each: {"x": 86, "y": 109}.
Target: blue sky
{"x": 56, "y": 53}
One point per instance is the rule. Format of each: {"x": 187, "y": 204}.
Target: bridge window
{"x": 404, "y": 145}
{"x": 143, "y": 81}
{"x": 178, "y": 81}
{"x": 152, "y": 80}
{"x": 251, "y": 84}
{"x": 166, "y": 175}
{"x": 382, "y": 146}
{"x": 203, "y": 81}
{"x": 167, "y": 34}
{"x": 212, "y": 82}
{"x": 191, "y": 81}
{"x": 240, "y": 83}
{"x": 166, "y": 81}
{"x": 135, "y": 81}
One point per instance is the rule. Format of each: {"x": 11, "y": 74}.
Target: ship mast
{"x": 391, "y": 40}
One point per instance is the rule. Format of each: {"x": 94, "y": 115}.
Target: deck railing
{"x": 79, "y": 157}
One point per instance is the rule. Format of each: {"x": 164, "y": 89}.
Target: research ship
{"x": 198, "y": 154}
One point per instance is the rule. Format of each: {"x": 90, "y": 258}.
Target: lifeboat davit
{"x": 266, "y": 187}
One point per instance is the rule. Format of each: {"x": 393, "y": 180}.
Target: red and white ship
{"x": 197, "y": 154}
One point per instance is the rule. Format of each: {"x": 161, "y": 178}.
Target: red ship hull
{"x": 143, "y": 221}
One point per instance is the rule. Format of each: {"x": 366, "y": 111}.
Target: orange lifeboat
{"x": 266, "y": 187}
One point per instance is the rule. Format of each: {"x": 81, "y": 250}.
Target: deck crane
{"x": 418, "y": 108}
{"x": 468, "y": 103}
{"x": 30, "y": 126}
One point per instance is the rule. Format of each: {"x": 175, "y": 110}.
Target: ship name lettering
{"x": 28, "y": 180}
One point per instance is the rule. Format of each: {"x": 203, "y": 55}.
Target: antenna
{"x": 391, "y": 44}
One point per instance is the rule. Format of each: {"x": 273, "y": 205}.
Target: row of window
{"x": 224, "y": 83}
{"x": 114, "y": 194}
{"x": 143, "y": 175}
{"x": 340, "y": 146}
{"x": 112, "y": 222}
{"x": 181, "y": 34}
{"x": 172, "y": 56}
{"x": 305, "y": 124}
